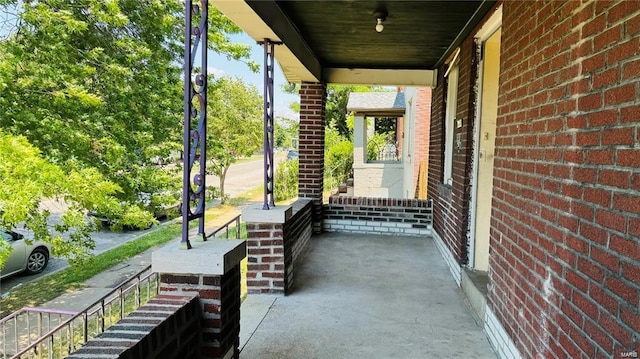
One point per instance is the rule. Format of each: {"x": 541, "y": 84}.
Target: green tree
{"x": 99, "y": 82}
{"x": 26, "y": 178}
{"x": 234, "y": 126}
{"x": 285, "y": 131}
{"x": 336, "y": 106}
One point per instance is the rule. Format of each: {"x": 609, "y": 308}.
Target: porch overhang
{"x": 336, "y": 41}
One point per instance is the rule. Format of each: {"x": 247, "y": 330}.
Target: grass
{"x": 49, "y": 287}
{"x": 52, "y": 286}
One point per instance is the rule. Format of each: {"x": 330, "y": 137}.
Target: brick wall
{"x": 410, "y": 217}
{"x": 219, "y": 299}
{"x": 167, "y": 327}
{"x": 451, "y": 203}
{"x": 565, "y": 262}
{"x": 297, "y": 233}
{"x": 311, "y": 147}
{"x": 274, "y": 248}
{"x": 423, "y": 123}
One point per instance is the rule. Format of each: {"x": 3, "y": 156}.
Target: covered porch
{"x": 365, "y": 296}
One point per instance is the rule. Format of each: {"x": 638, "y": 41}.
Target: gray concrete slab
{"x": 368, "y": 296}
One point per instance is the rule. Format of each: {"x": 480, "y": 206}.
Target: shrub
{"x": 338, "y": 159}
{"x": 286, "y": 180}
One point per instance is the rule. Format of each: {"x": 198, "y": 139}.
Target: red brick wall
{"x": 219, "y": 299}
{"x": 423, "y": 119}
{"x": 451, "y": 203}
{"x": 273, "y": 249}
{"x": 565, "y": 268}
{"x": 311, "y": 147}
{"x": 406, "y": 217}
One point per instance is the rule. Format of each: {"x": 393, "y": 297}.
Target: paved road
{"x": 241, "y": 178}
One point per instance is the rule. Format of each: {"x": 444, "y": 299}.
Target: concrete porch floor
{"x": 365, "y": 296}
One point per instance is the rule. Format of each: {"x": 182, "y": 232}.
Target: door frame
{"x": 489, "y": 28}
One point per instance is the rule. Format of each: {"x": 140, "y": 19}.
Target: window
{"x": 383, "y": 141}
{"x": 450, "y": 117}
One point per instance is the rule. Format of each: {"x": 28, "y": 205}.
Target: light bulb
{"x": 379, "y": 26}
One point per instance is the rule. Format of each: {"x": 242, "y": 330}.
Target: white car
{"x": 30, "y": 258}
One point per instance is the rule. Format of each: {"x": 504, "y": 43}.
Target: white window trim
{"x": 450, "y": 117}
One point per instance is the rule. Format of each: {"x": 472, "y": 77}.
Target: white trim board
{"x": 448, "y": 257}
{"x": 498, "y": 337}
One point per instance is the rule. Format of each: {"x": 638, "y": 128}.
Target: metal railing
{"x": 73, "y": 332}
{"x": 25, "y": 326}
{"x": 233, "y": 231}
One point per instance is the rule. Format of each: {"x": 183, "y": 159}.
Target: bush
{"x": 286, "y": 180}
{"x": 338, "y": 159}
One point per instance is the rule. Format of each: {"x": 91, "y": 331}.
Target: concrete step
{"x": 474, "y": 285}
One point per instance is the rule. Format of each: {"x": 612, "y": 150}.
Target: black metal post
{"x": 269, "y": 165}
{"x": 194, "y": 141}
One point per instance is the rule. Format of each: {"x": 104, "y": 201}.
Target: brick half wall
{"x": 167, "y": 327}
{"x": 409, "y": 217}
{"x": 274, "y": 248}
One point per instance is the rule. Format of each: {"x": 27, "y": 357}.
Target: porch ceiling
{"x": 336, "y": 41}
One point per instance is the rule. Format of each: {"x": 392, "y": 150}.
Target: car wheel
{"x": 37, "y": 261}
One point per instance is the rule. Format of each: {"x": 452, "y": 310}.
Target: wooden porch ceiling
{"x": 336, "y": 40}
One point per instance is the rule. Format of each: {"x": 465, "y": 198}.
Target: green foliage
{"x": 286, "y": 180}
{"x": 338, "y": 159}
{"x": 98, "y": 83}
{"x": 375, "y": 145}
{"x": 234, "y": 127}
{"x": 336, "y": 106}
{"x": 285, "y": 131}
{"x": 28, "y": 179}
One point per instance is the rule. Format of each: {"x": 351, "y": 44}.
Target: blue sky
{"x": 219, "y": 65}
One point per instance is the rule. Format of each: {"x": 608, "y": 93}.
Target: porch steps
{"x": 346, "y": 189}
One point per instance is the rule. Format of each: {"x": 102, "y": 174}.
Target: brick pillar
{"x": 311, "y": 148}
{"x": 212, "y": 270}
{"x": 269, "y": 259}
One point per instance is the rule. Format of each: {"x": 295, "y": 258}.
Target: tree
{"x": 26, "y": 178}
{"x": 336, "y": 106}
{"x": 285, "y": 131}
{"x": 234, "y": 127}
{"x": 99, "y": 82}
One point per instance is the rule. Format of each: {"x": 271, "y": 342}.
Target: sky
{"x": 219, "y": 65}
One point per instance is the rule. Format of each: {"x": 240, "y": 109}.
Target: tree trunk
{"x": 223, "y": 174}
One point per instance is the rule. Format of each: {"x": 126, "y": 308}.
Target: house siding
{"x": 564, "y": 265}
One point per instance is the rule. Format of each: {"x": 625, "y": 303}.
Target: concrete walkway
{"x": 365, "y": 296}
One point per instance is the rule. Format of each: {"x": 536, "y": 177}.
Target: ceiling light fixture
{"x": 380, "y": 16}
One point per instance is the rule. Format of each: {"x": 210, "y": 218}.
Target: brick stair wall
{"x": 167, "y": 327}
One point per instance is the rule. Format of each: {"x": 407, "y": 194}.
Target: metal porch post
{"x": 269, "y": 165}
{"x": 194, "y": 141}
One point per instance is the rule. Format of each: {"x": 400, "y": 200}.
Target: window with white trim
{"x": 450, "y": 118}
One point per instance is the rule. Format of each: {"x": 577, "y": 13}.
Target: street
{"x": 241, "y": 177}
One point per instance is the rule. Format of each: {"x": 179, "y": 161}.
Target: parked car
{"x": 26, "y": 257}
{"x": 292, "y": 155}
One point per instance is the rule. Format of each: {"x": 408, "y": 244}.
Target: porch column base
{"x": 268, "y": 259}
{"x": 212, "y": 270}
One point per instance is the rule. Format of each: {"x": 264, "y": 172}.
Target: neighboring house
{"x": 389, "y": 166}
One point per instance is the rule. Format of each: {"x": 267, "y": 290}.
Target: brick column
{"x": 212, "y": 270}
{"x": 311, "y": 147}
{"x": 269, "y": 260}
